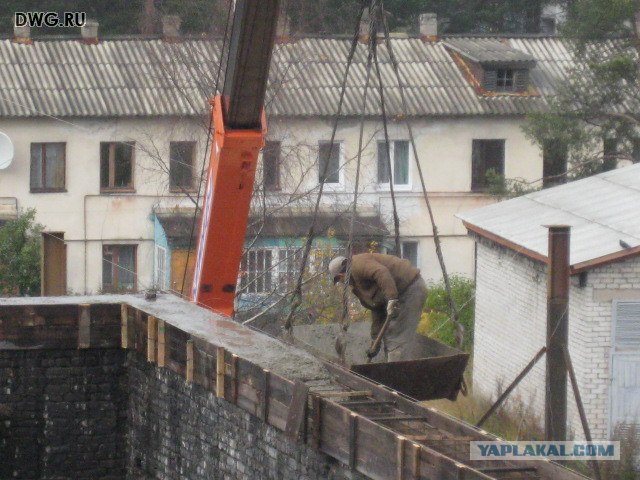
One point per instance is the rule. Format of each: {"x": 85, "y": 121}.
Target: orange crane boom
{"x": 239, "y": 129}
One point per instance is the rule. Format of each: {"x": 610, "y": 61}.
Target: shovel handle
{"x": 375, "y": 344}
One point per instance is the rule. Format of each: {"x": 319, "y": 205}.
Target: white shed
{"x": 604, "y": 313}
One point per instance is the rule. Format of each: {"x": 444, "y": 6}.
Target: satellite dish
{"x": 6, "y": 151}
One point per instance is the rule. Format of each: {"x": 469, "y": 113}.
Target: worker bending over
{"x": 390, "y": 287}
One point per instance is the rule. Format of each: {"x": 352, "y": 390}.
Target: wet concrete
{"x": 267, "y": 352}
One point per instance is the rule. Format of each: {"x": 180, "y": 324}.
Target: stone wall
{"x": 179, "y": 430}
{"x": 108, "y": 414}
{"x": 63, "y": 414}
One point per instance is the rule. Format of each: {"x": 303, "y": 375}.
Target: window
{"x": 271, "y": 166}
{"x": 487, "y": 155}
{"x": 161, "y": 268}
{"x": 399, "y": 162}
{"x": 47, "y": 167}
{"x": 329, "y": 162}
{"x": 116, "y": 166}
{"x": 504, "y": 80}
{"x": 256, "y": 267}
{"x": 181, "y": 162}
{"x": 410, "y": 252}
{"x": 118, "y": 268}
{"x": 289, "y": 261}
{"x": 554, "y": 157}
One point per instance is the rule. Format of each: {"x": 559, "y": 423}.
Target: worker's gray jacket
{"x": 377, "y": 278}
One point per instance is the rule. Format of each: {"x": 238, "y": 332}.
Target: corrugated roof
{"x": 142, "y": 77}
{"x": 602, "y": 211}
{"x": 489, "y": 50}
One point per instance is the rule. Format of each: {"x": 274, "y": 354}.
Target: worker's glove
{"x": 392, "y": 308}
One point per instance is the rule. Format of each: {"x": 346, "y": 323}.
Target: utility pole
{"x": 558, "y": 283}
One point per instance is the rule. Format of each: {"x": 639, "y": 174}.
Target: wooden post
{"x": 234, "y": 378}
{"x": 558, "y": 283}
{"x": 295, "y": 427}
{"x": 400, "y": 457}
{"x": 152, "y": 335}
{"x": 415, "y": 468}
{"x": 581, "y": 411}
{"x": 84, "y": 326}
{"x": 220, "y": 367}
{"x": 124, "y": 326}
{"x": 353, "y": 439}
{"x": 316, "y": 434}
{"x": 189, "y": 369}
{"x": 162, "y": 339}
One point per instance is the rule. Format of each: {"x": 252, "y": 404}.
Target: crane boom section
{"x": 239, "y": 129}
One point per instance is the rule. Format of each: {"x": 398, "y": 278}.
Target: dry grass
{"x": 517, "y": 422}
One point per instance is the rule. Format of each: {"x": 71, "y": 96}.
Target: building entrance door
{"x": 54, "y": 264}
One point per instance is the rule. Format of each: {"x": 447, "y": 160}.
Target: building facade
{"x": 110, "y": 132}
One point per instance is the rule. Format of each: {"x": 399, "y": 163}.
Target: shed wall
{"x": 510, "y": 327}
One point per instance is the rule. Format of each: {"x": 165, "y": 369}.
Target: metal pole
{"x": 558, "y": 281}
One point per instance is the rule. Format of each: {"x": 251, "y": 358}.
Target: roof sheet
{"x": 143, "y": 77}
{"x": 602, "y": 211}
{"x": 490, "y": 50}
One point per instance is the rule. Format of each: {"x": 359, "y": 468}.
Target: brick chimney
{"x": 365, "y": 26}
{"x": 283, "y": 27}
{"x": 22, "y": 34}
{"x": 171, "y": 27}
{"x": 89, "y": 32}
{"x": 429, "y": 26}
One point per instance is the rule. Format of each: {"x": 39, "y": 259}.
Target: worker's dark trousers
{"x": 400, "y": 337}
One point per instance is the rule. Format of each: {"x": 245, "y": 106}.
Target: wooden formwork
{"x": 373, "y": 429}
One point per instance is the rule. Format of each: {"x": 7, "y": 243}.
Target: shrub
{"x": 435, "y": 321}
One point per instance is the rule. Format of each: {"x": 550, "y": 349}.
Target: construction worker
{"x": 390, "y": 287}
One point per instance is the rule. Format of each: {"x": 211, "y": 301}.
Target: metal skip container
{"x": 434, "y": 372}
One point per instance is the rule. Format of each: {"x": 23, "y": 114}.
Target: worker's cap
{"x": 336, "y": 267}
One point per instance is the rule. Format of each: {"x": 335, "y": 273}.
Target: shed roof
{"x": 137, "y": 77}
{"x": 602, "y": 211}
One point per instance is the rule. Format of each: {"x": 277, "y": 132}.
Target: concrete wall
{"x": 90, "y": 219}
{"x": 63, "y": 414}
{"x": 510, "y": 327}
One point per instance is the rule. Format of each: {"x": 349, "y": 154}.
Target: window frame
{"x": 396, "y": 186}
{"x": 504, "y": 76}
{"x": 43, "y": 169}
{"x": 340, "y": 183}
{"x": 111, "y": 188}
{"x": 269, "y": 145}
{"x": 114, "y": 286}
{"x": 481, "y": 185}
{"x": 180, "y": 188}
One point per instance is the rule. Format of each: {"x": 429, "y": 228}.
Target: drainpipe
{"x": 558, "y": 283}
